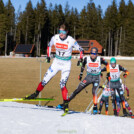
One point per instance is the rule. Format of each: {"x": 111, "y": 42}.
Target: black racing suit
{"x": 89, "y": 79}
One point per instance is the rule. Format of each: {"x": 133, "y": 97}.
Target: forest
{"x": 114, "y": 29}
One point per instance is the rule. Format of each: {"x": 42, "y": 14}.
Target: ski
{"x": 23, "y": 99}
{"x": 64, "y": 114}
{"x": 50, "y": 106}
{"x": 131, "y": 116}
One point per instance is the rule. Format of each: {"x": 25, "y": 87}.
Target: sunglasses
{"x": 62, "y": 31}
{"x": 94, "y": 53}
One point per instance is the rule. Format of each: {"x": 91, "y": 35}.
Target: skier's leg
{"x": 128, "y": 107}
{"x": 64, "y": 78}
{"x": 113, "y": 96}
{"x": 101, "y": 105}
{"x": 94, "y": 92}
{"x": 53, "y": 69}
{"x": 106, "y": 104}
{"x": 85, "y": 82}
{"x": 120, "y": 92}
{"x": 118, "y": 105}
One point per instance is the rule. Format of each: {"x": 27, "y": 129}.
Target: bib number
{"x": 61, "y": 53}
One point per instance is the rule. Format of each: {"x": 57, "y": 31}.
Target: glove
{"x": 48, "y": 60}
{"x": 79, "y": 63}
{"x": 108, "y": 78}
{"x": 127, "y": 98}
{"x": 80, "y": 76}
{"x": 124, "y": 75}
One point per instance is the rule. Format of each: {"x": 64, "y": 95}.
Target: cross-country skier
{"x": 118, "y": 100}
{"x": 62, "y": 61}
{"x": 105, "y": 98}
{"x": 114, "y": 78}
{"x": 93, "y": 63}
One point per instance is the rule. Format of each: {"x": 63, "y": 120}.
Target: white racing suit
{"x": 62, "y": 61}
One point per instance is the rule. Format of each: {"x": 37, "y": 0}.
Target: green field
{"x": 20, "y": 76}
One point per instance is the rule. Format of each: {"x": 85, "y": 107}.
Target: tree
{"x": 2, "y": 27}
{"x": 111, "y": 25}
{"x": 82, "y": 24}
{"x": 128, "y": 46}
{"x": 10, "y": 26}
{"x": 41, "y": 26}
{"x": 92, "y": 20}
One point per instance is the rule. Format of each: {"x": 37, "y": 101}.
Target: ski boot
{"x": 125, "y": 112}
{"x": 95, "y": 110}
{"x": 60, "y": 106}
{"x": 115, "y": 112}
{"x": 118, "y": 110}
{"x": 99, "y": 112}
{"x": 130, "y": 113}
{"x": 106, "y": 112}
{"x": 65, "y": 106}
{"x": 33, "y": 96}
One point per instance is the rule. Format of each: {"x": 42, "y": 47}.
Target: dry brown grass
{"x": 20, "y": 77}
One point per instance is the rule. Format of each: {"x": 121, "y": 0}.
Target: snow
{"x": 19, "y": 118}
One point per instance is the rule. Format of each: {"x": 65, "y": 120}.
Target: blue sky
{"x": 79, "y": 4}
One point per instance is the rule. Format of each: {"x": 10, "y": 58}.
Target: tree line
{"x": 114, "y": 29}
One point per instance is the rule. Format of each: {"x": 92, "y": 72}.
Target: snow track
{"x": 19, "y": 118}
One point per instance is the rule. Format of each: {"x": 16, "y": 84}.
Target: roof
{"x": 94, "y": 43}
{"x": 24, "y": 48}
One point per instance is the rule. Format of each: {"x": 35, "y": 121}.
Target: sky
{"x": 79, "y": 4}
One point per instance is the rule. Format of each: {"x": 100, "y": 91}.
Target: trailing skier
{"x": 93, "y": 63}
{"x": 105, "y": 98}
{"x": 114, "y": 83}
{"x": 118, "y": 100}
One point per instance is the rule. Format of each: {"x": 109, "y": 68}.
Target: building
{"x": 27, "y": 50}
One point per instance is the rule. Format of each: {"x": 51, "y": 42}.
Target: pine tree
{"x": 111, "y": 25}
{"x": 27, "y": 22}
{"x": 10, "y": 25}
{"x": 92, "y": 20}
{"x": 74, "y": 23}
{"x": 41, "y": 27}
{"x": 3, "y": 20}
{"x": 128, "y": 47}
{"x": 2, "y": 8}
{"x": 82, "y": 24}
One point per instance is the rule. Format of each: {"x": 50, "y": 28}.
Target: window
{"x": 92, "y": 43}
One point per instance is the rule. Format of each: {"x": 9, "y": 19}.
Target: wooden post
{"x": 6, "y": 45}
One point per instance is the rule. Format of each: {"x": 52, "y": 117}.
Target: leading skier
{"x": 62, "y": 61}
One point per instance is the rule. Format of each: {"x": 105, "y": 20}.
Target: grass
{"x": 20, "y": 76}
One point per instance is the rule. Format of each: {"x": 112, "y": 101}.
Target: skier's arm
{"x": 124, "y": 70}
{"x": 49, "y": 48}
{"x": 127, "y": 91}
{"x": 78, "y": 47}
{"x": 82, "y": 68}
{"x": 106, "y": 64}
{"x": 103, "y": 69}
